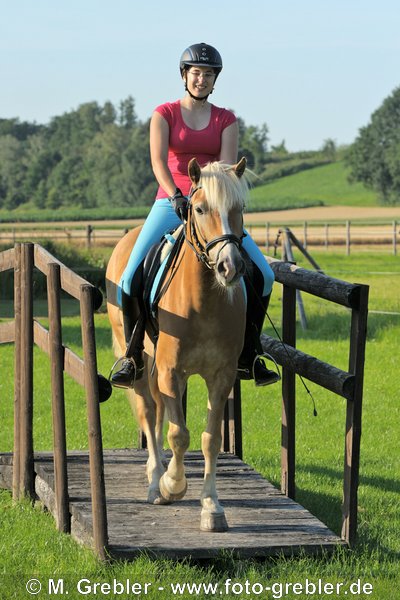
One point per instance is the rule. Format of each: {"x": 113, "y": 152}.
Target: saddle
{"x": 155, "y": 268}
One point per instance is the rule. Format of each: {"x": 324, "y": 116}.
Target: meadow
{"x": 30, "y": 546}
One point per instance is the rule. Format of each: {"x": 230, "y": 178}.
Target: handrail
{"x": 25, "y": 331}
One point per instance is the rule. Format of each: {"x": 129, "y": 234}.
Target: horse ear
{"x": 194, "y": 171}
{"x": 240, "y": 167}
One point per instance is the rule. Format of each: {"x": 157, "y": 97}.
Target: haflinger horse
{"x": 201, "y": 319}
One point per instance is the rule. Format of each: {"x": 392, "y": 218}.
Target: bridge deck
{"x": 262, "y": 521}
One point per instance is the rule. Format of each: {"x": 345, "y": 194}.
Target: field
{"x": 31, "y": 547}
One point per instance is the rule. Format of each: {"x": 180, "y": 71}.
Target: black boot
{"x": 134, "y": 328}
{"x": 251, "y": 364}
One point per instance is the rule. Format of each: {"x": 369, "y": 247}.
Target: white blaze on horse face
{"x": 230, "y": 264}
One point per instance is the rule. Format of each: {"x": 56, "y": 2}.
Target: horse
{"x": 201, "y": 317}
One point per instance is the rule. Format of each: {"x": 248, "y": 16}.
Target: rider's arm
{"x": 230, "y": 144}
{"x": 159, "y": 140}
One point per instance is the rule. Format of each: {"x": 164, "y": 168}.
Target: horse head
{"x": 215, "y": 223}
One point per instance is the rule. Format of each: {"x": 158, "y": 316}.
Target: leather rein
{"x": 202, "y": 248}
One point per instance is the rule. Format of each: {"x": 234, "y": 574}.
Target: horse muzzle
{"x": 230, "y": 266}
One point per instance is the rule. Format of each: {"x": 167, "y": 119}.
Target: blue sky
{"x": 309, "y": 69}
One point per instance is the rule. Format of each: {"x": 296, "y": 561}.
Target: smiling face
{"x": 199, "y": 81}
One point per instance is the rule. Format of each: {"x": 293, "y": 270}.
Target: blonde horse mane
{"x": 223, "y": 188}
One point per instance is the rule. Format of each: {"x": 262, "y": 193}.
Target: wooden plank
{"x": 17, "y": 372}
{"x": 70, "y": 281}
{"x": 353, "y": 419}
{"x": 99, "y": 511}
{"x": 262, "y": 521}
{"x": 7, "y": 332}
{"x": 26, "y": 486}
{"x": 57, "y": 398}
{"x": 288, "y": 428}
{"x": 7, "y": 260}
{"x": 328, "y": 376}
{"x": 318, "y": 284}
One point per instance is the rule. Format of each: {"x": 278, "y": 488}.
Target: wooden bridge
{"x": 100, "y": 496}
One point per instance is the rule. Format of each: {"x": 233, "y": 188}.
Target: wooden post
{"x": 290, "y": 258}
{"x": 57, "y": 399}
{"x": 267, "y": 237}
{"x": 89, "y": 231}
{"x": 326, "y": 235}
{"x": 305, "y": 234}
{"x": 288, "y": 464}
{"x": 348, "y": 240}
{"x": 17, "y": 371}
{"x": 358, "y": 336}
{"x": 232, "y": 422}
{"x": 26, "y": 475}
{"x": 99, "y": 510}
{"x": 395, "y": 238}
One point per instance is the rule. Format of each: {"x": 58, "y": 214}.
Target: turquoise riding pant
{"x": 161, "y": 219}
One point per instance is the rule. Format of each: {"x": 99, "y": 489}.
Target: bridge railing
{"x": 348, "y": 384}
{"x": 25, "y": 331}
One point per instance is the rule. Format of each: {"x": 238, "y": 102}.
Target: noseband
{"x": 202, "y": 250}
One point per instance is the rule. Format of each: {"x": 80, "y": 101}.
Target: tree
{"x": 329, "y": 149}
{"x": 12, "y": 172}
{"x": 374, "y": 157}
{"x": 253, "y": 142}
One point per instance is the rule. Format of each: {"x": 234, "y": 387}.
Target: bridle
{"x": 201, "y": 247}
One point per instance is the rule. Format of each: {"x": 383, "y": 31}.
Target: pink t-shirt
{"x": 185, "y": 143}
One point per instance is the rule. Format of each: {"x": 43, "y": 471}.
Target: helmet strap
{"x": 195, "y": 98}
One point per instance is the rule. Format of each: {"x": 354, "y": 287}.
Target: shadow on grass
{"x": 328, "y": 508}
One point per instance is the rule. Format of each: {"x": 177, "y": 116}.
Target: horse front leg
{"x": 173, "y": 484}
{"x": 212, "y": 514}
{"x": 147, "y": 413}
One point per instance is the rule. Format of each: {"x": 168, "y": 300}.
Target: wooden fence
{"x": 333, "y": 234}
{"x": 348, "y": 384}
{"x": 25, "y": 331}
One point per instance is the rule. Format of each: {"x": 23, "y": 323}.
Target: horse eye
{"x": 199, "y": 210}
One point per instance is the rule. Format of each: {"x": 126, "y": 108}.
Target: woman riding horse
{"x": 202, "y": 318}
{"x": 180, "y": 130}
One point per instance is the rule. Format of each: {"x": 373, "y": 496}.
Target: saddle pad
{"x": 166, "y": 251}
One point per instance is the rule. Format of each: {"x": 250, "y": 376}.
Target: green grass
{"x": 325, "y": 185}
{"x": 30, "y": 545}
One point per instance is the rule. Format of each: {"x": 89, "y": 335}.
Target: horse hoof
{"x": 213, "y": 521}
{"x": 170, "y": 496}
{"x": 155, "y": 497}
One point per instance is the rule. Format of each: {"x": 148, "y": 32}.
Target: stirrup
{"x": 247, "y": 373}
{"x": 135, "y": 376}
{"x": 277, "y": 373}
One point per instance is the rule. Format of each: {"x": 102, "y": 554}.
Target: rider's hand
{"x": 180, "y": 204}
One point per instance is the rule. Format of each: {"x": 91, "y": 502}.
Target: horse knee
{"x": 178, "y": 438}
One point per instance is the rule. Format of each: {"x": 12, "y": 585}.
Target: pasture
{"x": 30, "y": 546}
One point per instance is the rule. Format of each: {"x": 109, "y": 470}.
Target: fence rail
{"x": 25, "y": 331}
{"x": 348, "y": 384}
{"x": 344, "y": 234}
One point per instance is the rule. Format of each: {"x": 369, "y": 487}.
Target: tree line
{"x": 94, "y": 156}
{"x": 97, "y": 156}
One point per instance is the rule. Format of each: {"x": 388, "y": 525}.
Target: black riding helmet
{"x": 201, "y": 55}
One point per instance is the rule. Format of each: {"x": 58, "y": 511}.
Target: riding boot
{"x": 134, "y": 328}
{"x": 251, "y": 365}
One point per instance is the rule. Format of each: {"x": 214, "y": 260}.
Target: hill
{"x": 326, "y": 185}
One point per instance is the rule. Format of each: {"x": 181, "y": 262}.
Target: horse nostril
{"x": 222, "y": 270}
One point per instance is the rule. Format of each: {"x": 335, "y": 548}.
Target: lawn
{"x": 322, "y": 186}
{"x": 30, "y": 546}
